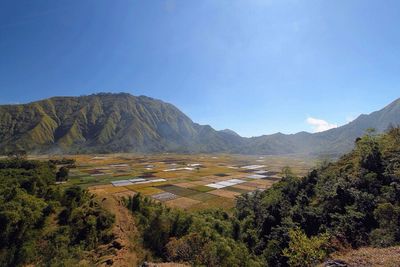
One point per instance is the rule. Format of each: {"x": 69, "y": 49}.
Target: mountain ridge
{"x": 107, "y": 122}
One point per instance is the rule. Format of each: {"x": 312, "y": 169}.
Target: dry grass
{"x": 182, "y": 203}
{"x": 104, "y": 186}
{"x": 202, "y": 196}
{"x": 186, "y": 185}
{"x": 109, "y": 189}
{"x": 113, "y": 189}
{"x": 245, "y": 187}
{"x": 224, "y": 193}
{"x": 204, "y": 182}
{"x": 125, "y": 194}
{"x": 148, "y": 191}
{"x": 386, "y": 257}
{"x": 262, "y": 182}
{"x": 136, "y": 187}
{"x": 218, "y": 202}
{"x": 251, "y": 184}
{"x": 236, "y": 189}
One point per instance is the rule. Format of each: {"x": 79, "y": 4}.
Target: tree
{"x": 369, "y": 154}
{"x": 287, "y": 172}
{"x": 62, "y": 174}
{"x": 388, "y": 233}
{"x": 17, "y": 154}
{"x": 28, "y": 199}
{"x": 304, "y": 251}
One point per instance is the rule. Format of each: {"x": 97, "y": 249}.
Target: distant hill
{"x": 333, "y": 142}
{"x": 104, "y": 123}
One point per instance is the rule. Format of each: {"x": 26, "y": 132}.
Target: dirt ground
{"x": 371, "y": 257}
{"x": 125, "y": 252}
{"x": 165, "y": 265}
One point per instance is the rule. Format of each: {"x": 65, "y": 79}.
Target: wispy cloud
{"x": 320, "y": 125}
{"x": 9, "y": 103}
{"x": 350, "y": 118}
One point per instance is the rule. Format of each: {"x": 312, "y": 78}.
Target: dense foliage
{"x": 208, "y": 237}
{"x": 353, "y": 202}
{"x": 43, "y": 224}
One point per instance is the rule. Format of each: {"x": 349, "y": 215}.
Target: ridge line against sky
{"x": 317, "y": 125}
{"x": 253, "y": 66}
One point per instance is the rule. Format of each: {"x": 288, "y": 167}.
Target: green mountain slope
{"x": 106, "y": 123}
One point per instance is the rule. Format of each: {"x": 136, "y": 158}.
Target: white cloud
{"x": 319, "y": 125}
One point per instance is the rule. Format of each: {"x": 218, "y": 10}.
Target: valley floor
{"x": 189, "y": 182}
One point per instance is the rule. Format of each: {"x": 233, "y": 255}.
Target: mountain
{"x": 103, "y": 123}
{"x": 230, "y": 132}
{"x": 333, "y": 142}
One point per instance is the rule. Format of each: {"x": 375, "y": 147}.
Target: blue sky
{"x": 254, "y": 66}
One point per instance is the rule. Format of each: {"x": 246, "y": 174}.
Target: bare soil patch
{"x": 124, "y": 252}
{"x": 367, "y": 256}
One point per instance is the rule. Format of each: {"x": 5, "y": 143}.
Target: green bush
{"x": 304, "y": 251}
{"x": 42, "y": 224}
{"x": 356, "y": 200}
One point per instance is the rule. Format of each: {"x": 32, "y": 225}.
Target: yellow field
{"x": 191, "y": 173}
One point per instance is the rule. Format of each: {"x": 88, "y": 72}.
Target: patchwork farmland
{"x": 190, "y": 182}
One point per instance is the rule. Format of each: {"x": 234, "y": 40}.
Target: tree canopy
{"x": 350, "y": 203}
{"x": 43, "y": 224}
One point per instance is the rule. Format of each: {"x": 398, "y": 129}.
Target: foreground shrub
{"x": 304, "y": 251}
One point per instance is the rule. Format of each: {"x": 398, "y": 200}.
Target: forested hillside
{"x": 354, "y": 202}
{"x": 43, "y": 224}
{"x": 351, "y": 203}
